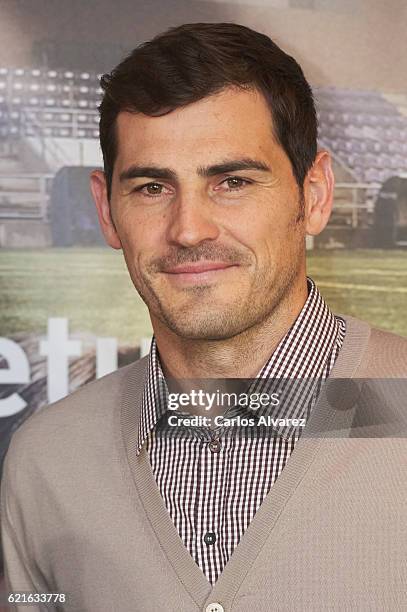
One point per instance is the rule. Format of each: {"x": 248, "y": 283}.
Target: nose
{"x": 191, "y": 221}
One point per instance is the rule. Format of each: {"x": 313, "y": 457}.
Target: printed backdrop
{"x": 68, "y": 310}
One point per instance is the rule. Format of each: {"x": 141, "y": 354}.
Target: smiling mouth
{"x": 199, "y": 267}
{"x": 199, "y": 271}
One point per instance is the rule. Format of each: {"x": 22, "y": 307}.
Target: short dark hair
{"x": 192, "y": 61}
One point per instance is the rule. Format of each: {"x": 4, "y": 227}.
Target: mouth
{"x": 198, "y": 272}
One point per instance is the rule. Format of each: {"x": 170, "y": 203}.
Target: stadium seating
{"x": 54, "y": 114}
{"x": 62, "y": 103}
{"x": 365, "y": 132}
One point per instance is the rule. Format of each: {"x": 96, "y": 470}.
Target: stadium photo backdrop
{"x": 68, "y": 310}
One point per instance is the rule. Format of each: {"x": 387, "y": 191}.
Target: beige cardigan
{"x": 81, "y": 513}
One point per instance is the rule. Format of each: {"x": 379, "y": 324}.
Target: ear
{"x": 99, "y": 191}
{"x": 319, "y": 189}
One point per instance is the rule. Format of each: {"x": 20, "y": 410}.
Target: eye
{"x": 150, "y": 190}
{"x": 154, "y": 188}
{"x": 235, "y": 183}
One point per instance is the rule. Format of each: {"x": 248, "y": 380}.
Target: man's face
{"x": 206, "y": 207}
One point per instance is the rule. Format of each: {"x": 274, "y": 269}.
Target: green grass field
{"x": 91, "y": 287}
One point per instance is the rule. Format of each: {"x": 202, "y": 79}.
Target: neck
{"x": 228, "y": 358}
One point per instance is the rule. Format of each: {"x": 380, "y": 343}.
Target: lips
{"x": 198, "y": 267}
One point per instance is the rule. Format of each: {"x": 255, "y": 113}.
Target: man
{"x": 211, "y": 182}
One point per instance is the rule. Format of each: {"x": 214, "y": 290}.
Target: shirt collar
{"x": 301, "y": 353}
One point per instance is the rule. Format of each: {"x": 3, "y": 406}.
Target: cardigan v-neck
{"x": 324, "y": 417}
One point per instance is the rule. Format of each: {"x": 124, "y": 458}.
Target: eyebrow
{"x": 146, "y": 171}
{"x": 247, "y": 163}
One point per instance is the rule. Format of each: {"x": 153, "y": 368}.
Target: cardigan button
{"x": 209, "y": 538}
{"x": 214, "y": 445}
{"x": 214, "y": 607}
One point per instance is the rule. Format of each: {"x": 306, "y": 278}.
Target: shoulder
{"x": 84, "y": 417}
{"x": 384, "y": 355}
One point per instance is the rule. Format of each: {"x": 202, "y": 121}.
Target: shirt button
{"x": 214, "y": 446}
{"x": 214, "y": 607}
{"x": 209, "y": 538}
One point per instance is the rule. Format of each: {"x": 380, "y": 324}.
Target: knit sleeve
{"x": 20, "y": 574}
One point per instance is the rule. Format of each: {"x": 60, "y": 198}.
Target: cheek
{"x": 131, "y": 228}
{"x": 274, "y": 238}
{"x": 140, "y": 237}
{"x": 263, "y": 229}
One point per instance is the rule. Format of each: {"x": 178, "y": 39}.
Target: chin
{"x": 208, "y": 333}
{"x": 206, "y": 326}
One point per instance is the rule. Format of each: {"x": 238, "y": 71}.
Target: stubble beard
{"x": 201, "y": 319}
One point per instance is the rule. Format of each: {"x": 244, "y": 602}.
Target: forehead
{"x": 232, "y": 122}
